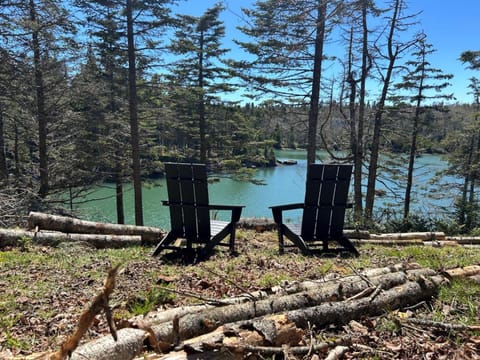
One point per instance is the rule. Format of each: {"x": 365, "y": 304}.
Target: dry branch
{"x": 66, "y": 224}
{"x": 441, "y": 325}
{"x": 99, "y": 304}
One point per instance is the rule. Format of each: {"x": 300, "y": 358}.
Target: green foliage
{"x": 151, "y": 299}
{"x": 270, "y": 280}
{"x": 418, "y": 222}
{"x": 25, "y": 243}
{"x": 231, "y": 164}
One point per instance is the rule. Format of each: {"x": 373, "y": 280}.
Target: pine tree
{"x": 138, "y": 27}
{"x": 200, "y": 68}
{"x": 39, "y": 32}
{"x": 288, "y": 53}
{"x": 420, "y": 81}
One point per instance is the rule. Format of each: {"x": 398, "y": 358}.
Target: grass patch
{"x": 461, "y": 297}
{"x": 432, "y": 257}
{"x": 150, "y": 300}
{"x": 41, "y": 283}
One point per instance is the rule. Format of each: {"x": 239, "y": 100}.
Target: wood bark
{"x": 133, "y": 111}
{"x": 316, "y": 82}
{"x": 314, "y": 307}
{"x": 389, "y": 242}
{"x": 16, "y": 237}
{"x": 338, "y": 312}
{"x": 66, "y": 224}
{"x": 410, "y": 236}
{"x": 463, "y": 272}
{"x": 465, "y": 240}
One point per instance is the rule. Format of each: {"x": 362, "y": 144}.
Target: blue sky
{"x": 451, "y": 28}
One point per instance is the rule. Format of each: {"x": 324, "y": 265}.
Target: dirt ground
{"x": 42, "y": 323}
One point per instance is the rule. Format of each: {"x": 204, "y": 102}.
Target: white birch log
{"x": 304, "y": 314}
{"x": 410, "y": 236}
{"x": 71, "y": 225}
{"x": 17, "y": 237}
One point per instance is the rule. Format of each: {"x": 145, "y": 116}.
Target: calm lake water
{"x": 283, "y": 184}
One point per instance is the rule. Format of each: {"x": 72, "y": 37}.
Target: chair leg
{"x": 232, "y": 239}
{"x": 348, "y": 245}
{"x": 169, "y": 238}
{"x": 281, "y": 242}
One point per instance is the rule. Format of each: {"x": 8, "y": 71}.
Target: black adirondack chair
{"x": 190, "y": 213}
{"x": 323, "y": 217}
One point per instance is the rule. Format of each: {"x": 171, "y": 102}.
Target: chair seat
{"x": 295, "y": 228}
{"x": 216, "y": 226}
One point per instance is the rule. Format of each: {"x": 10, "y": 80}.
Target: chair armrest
{"x": 235, "y": 209}
{"x": 278, "y": 209}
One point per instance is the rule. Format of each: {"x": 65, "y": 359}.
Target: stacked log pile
{"x": 49, "y": 229}
{"x": 428, "y": 238}
{"x": 270, "y": 323}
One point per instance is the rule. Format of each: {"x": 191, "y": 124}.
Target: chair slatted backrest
{"x": 326, "y": 197}
{"x": 187, "y": 188}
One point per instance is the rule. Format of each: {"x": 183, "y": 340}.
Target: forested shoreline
{"x": 94, "y": 91}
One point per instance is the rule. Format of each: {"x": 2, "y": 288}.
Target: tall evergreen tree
{"x": 39, "y": 32}
{"x": 200, "y": 69}
{"x": 288, "y": 53}
{"x": 420, "y": 81}
{"x": 140, "y": 25}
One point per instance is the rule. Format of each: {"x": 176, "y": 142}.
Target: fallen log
{"x": 465, "y": 240}
{"x": 192, "y": 325}
{"x": 149, "y": 234}
{"x": 356, "y": 234}
{"x": 388, "y": 242}
{"x": 410, "y": 236}
{"x": 339, "y": 312}
{"x": 17, "y": 237}
{"x": 463, "y": 272}
{"x": 333, "y": 287}
{"x": 441, "y": 243}
{"x": 196, "y": 324}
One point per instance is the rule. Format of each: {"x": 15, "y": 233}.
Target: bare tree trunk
{"x": 40, "y": 100}
{"x": 413, "y": 153}
{"x": 119, "y": 196}
{"x": 3, "y": 160}
{"x": 202, "y": 124}
{"x": 133, "y": 107}
{"x": 393, "y": 52}
{"x": 358, "y": 158}
{"x": 317, "y": 75}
